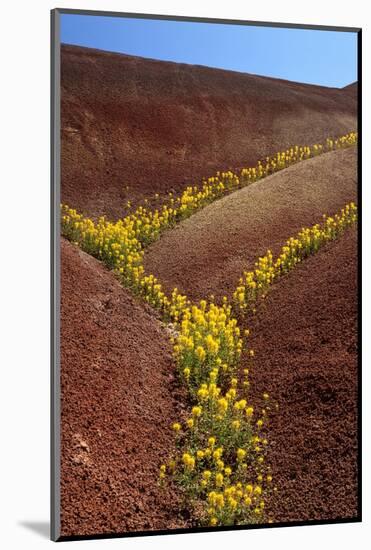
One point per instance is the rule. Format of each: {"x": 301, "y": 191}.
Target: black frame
{"x": 55, "y": 272}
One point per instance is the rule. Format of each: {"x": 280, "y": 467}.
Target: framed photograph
{"x": 206, "y": 209}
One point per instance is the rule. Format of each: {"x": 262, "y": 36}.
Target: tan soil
{"x": 157, "y": 126}
{"x": 208, "y": 252}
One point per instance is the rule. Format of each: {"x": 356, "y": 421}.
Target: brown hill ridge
{"x": 207, "y": 253}
{"x": 156, "y": 126}
{"x": 352, "y": 88}
{"x": 305, "y": 342}
{"x": 118, "y": 400}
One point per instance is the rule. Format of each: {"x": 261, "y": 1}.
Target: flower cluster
{"x": 255, "y": 283}
{"x": 220, "y": 462}
{"x": 344, "y": 141}
{"x": 207, "y": 347}
{"x": 119, "y": 246}
{"x": 220, "y": 459}
{"x": 208, "y": 341}
{"x": 149, "y": 224}
{"x": 295, "y": 154}
{"x": 145, "y": 225}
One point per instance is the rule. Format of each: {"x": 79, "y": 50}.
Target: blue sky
{"x": 327, "y": 58}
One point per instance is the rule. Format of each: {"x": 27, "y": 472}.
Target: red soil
{"x": 157, "y": 126}
{"x": 208, "y": 252}
{"x": 352, "y": 89}
{"x": 305, "y": 339}
{"x": 118, "y": 399}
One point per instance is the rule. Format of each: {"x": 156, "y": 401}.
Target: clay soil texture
{"x": 305, "y": 339}
{"x": 304, "y": 334}
{"x": 207, "y": 253}
{"x": 132, "y": 128}
{"x": 119, "y": 397}
{"x": 155, "y": 126}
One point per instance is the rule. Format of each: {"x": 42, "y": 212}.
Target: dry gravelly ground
{"x": 305, "y": 339}
{"x": 111, "y": 446}
{"x": 118, "y": 401}
{"x": 157, "y": 126}
{"x": 208, "y": 252}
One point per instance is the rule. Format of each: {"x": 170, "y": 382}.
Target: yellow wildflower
{"x": 196, "y": 411}
{"x": 219, "y": 479}
{"x": 241, "y": 453}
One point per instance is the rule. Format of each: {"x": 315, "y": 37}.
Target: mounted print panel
{"x": 205, "y": 204}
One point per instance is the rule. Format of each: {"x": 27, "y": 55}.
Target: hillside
{"x": 352, "y": 89}
{"x": 207, "y": 253}
{"x": 118, "y": 399}
{"x": 305, "y": 341}
{"x": 156, "y": 126}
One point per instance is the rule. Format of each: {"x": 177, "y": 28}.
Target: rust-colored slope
{"x": 352, "y": 89}
{"x": 305, "y": 340}
{"x": 118, "y": 401}
{"x": 157, "y": 125}
{"x": 208, "y": 252}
